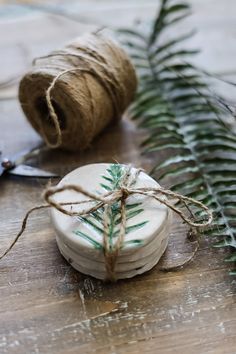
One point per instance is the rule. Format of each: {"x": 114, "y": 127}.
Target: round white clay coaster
{"x": 80, "y": 239}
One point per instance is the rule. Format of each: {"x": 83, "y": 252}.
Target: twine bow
{"x": 106, "y": 200}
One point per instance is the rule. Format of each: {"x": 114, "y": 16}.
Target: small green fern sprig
{"x": 184, "y": 120}
{"x": 111, "y": 182}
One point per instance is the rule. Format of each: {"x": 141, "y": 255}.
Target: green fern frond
{"x": 185, "y": 121}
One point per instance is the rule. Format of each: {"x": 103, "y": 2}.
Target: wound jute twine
{"x": 106, "y": 200}
{"x": 72, "y": 94}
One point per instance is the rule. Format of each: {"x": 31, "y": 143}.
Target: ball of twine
{"x": 72, "y": 94}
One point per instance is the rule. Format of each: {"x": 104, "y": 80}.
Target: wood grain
{"x": 46, "y": 306}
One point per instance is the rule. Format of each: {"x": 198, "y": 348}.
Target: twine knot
{"x": 125, "y": 192}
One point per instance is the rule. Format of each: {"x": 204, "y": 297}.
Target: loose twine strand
{"x": 106, "y": 200}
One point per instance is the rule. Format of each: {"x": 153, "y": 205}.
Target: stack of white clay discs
{"x": 80, "y": 239}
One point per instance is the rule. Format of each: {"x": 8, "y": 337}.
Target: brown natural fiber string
{"x": 111, "y": 252}
{"x": 72, "y": 94}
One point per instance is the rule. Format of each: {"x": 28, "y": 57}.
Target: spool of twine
{"x": 72, "y": 94}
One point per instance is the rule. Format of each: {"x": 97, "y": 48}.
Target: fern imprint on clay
{"x": 112, "y": 182}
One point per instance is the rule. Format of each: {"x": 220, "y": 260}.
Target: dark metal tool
{"x": 16, "y": 165}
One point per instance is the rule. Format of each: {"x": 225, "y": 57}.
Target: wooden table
{"x": 46, "y": 306}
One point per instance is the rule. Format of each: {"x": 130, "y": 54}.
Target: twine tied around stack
{"x": 106, "y": 200}
{"x": 72, "y": 94}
